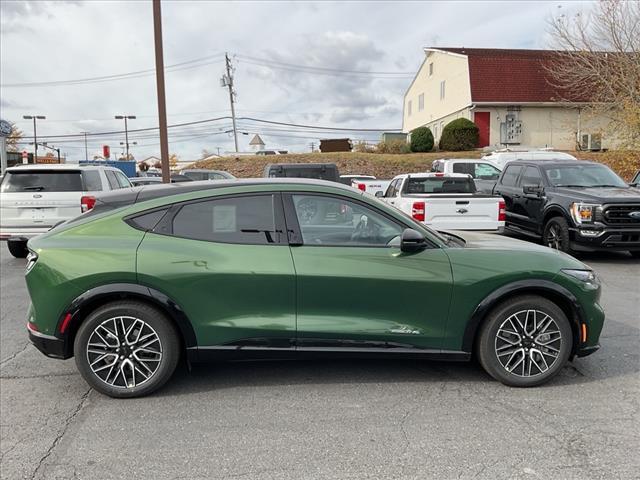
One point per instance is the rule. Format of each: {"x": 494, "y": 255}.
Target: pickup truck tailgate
{"x": 459, "y": 212}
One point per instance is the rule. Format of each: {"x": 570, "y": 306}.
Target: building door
{"x": 482, "y": 120}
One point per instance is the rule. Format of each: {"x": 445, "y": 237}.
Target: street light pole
{"x": 35, "y": 133}
{"x": 126, "y": 130}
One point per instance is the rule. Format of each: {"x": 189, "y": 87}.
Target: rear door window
{"x": 510, "y": 177}
{"x": 111, "y": 178}
{"x": 246, "y": 220}
{"x": 42, "y": 181}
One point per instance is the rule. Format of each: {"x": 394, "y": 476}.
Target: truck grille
{"x": 620, "y": 215}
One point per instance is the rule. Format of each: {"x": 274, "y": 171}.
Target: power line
{"x": 341, "y": 129}
{"x": 199, "y": 62}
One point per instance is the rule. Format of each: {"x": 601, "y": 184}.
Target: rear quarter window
{"x": 92, "y": 181}
{"x": 42, "y": 181}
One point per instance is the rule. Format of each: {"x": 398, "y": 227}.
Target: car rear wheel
{"x": 18, "y": 248}
{"x": 525, "y": 341}
{"x": 126, "y": 349}
{"x": 556, "y": 234}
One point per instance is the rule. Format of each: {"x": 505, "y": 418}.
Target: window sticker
{"x": 224, "y": 218}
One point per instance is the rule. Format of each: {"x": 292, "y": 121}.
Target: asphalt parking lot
{"x": 337, "y": 419}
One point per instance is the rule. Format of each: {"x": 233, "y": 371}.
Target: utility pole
{"x": 313, "y": 146}
{"x": 126, "y": 130}
{"x": 218, "y": 150}
{"x": 86, "y": 150}
{"x": 227, "y": 81}
{"x": 162, "y": 105}
{"x": 35, "y": 133}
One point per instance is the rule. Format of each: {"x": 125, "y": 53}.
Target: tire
{"x": 18, "y": 248}
{"x": 120, "y": 369}
{"x": 556, "y": 234}
{"x": 546, "y": 353}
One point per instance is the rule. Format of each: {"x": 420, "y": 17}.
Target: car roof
{"x": 433, "y": 174}
{"x": 551, "y": 162}
{"x": 128, "y": 196}
{"x": 58, "y": 166}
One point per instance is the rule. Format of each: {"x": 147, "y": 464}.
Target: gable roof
{"x": 507, "y": 75}
{"x": 256, "y": 140}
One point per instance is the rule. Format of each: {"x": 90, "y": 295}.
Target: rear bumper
{"x": 598, "y": 239}
{"x": 22, "y": 233}
{"x": 49, "y": 345}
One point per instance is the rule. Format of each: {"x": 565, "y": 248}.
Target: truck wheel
{"x": 556, "y": 234}
{"x": 18, "y": 248}
{"x": 126, "y": 349}
{"x": 525, "y": 341}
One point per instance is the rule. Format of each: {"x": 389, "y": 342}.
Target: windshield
{"x": 584, "y": 176}
{"x": 42, "y": 181}
{"x": 439, "y": 185}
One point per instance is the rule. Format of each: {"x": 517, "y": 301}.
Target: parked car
{"x": 321, "y": 171}
{"x": 484, "y": 173}
{"x": 34, "y": 198}
{"x": 573, "y": 206}
{"x": 164, "y": 271}
{"x": 138, "y": 181}
{"x": 348, "y": 179}
{"x": 501, "y": 157}
{"x": 204, "y": 174}
{"x": 445, "y": 201}
{"x": 372, "y": 187}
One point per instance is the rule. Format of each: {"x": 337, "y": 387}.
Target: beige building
{"x": 506, "y": 93}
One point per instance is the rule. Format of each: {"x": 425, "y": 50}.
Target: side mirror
{"x": 379, "y": 194}
{"x": 412, "y": 241}
{"x": 532, "y": 190}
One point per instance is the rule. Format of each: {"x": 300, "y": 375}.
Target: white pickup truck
{"x": 445, "y": 201}
{"x": 485, "y": 174}
{"x": 371, "y": 187}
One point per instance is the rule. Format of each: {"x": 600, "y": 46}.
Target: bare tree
{"x": 598, "y": 62}
{"x": 14, "y": 137}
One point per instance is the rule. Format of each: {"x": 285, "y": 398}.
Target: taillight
{"x": 87, "y": 202}
{"x": 439, "y": 175}
{"x": 417, "y": 211}
{"x": 362, "y": 186}
{"x": 502, "y": 214}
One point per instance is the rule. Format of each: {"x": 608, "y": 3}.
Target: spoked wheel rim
{"x": 124, "y": 352}
{"x": 528, "y": 343}
{"x": 554, "y": 237}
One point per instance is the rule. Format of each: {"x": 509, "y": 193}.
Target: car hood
{"x": 603, "y": 195}
{"x": 518, "y": 254}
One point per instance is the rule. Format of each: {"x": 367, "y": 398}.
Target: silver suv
{"x": 34, "y": 198}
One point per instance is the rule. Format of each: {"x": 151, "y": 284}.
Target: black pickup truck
{"x": 573, "y": 205}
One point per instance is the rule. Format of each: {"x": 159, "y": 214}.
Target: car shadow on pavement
{"x": 256, "y": 374}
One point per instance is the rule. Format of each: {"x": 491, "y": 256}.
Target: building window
{"x": 431, "y": 69}
{"x": 442, "y": 90}
{"x": 421, "y": 102}
{"x": 409, "y": 108}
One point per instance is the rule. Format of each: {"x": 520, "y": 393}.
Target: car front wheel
{"x": 126, "y": 349}
{"x": 525, "y": 341}
{"x": 556, "y": 234}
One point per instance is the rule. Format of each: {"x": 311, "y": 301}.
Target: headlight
{"x": 584, "y": 212}
{"x": 586, "y": 276}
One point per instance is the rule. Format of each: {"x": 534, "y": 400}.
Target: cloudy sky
{"x": 295, "y": 62}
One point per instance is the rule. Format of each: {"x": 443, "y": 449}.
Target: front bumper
{"x": 608, "y": 238}
{"x": 586, "y": 351}
{"x": 49, "y": 345}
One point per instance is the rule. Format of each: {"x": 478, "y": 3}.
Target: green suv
{"x": 287, "y": 268}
